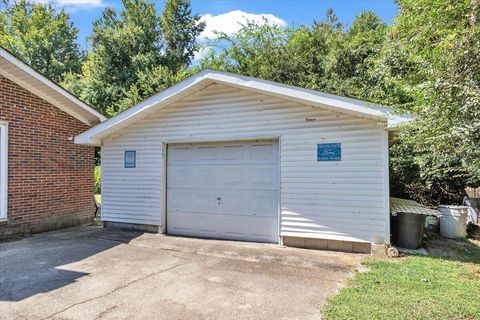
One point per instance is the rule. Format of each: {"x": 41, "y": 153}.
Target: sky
{"x": 226, "y": 14}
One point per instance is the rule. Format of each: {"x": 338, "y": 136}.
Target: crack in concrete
{"x": 93, "y": 237}
{"x": 102, "y": 314}
{"x": 115, "y": 290}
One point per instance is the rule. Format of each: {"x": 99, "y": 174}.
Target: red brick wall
{"x": 50, "y": 179}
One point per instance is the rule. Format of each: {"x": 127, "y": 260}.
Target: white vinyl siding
{"x": 3, "y": 170}
{"x": 341, "y": 200}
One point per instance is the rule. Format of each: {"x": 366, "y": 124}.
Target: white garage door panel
{"x": 224, "y": 190}
{"x": 220, "y": 176}
{"x": 224, "y": 227}
{"x": 244, "y": 203}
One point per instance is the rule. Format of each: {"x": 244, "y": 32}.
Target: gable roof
{"x": 207, "y": 77}
{"x": 19, "y": 72}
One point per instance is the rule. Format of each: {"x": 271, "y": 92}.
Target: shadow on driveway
{"x": 33, "y": 265}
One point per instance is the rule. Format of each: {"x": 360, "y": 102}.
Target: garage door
{"x": 223, "y": 190}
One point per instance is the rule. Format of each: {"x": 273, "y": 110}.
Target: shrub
{"x": 98, "y": 179}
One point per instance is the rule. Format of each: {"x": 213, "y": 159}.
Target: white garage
{"x": 225, "y": 156}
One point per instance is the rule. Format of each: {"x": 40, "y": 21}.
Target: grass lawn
{"x": 444, "y": 285}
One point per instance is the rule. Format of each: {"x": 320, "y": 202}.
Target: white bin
{"x": 453, "y": 221}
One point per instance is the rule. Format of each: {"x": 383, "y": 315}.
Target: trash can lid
{"x": 398, "y": 205}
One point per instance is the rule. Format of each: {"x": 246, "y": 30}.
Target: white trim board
{"x": 208, "y": 77}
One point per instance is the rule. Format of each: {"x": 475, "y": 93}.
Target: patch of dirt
{"x": 466, "y": 250}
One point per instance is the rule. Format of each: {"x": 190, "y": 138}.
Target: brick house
{"x": 46, "y": 181}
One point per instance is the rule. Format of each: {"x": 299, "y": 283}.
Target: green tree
{"x": 255, "y": 50}
{"x": 352, "y": 57}
{"x": 180, "y": 29}
{"x": 311, "y": 49}
{"x": 123, "y": 44}
{"x": 150, "y": 82}
{"x": 443, "y": 143}
{"x": 326, "y": 56}
{"x": 41, "y": 36}
{"x": 132, "y": 57}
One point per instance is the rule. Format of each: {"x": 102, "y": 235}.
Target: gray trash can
{"x": 407, "y": 223}
{"x": 407, "y": 229}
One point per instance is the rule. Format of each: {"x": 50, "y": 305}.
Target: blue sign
{"x": 130, "y": 161}
{"x": 329, "y": 152}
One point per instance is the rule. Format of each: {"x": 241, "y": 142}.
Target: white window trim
{"x": 3, "y": 170}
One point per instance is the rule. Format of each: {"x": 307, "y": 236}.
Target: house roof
{"x": 27, "y": 77}
{"x": 207, "y": 77}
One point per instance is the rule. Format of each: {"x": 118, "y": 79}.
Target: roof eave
{"x": 206, "y": 77}
{"x": 83, "y": 112}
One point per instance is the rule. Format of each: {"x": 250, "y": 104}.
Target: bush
{"x": 98, "y": 179}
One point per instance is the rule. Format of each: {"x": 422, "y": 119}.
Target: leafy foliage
{"x": 123, "y": 45}
{"x": 135, "y": 52}
{"x": 149, "y": 82}
{"x": 42, "y": 37}
{"x": 326, "y": 56}
{"x": 180, "y": 29}
{"x": 98, "y": 179}
{"x": 444, "y": 142}
{"x": 256, "y": 50}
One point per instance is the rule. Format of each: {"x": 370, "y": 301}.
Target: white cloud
{"x": 231, "y": 22}
{"x": 82, "y": 3}
{"x": 76, "y": 4}
{"x": 201, "y": 53}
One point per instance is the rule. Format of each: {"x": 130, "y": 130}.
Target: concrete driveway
{"x": 93, "y": 273}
